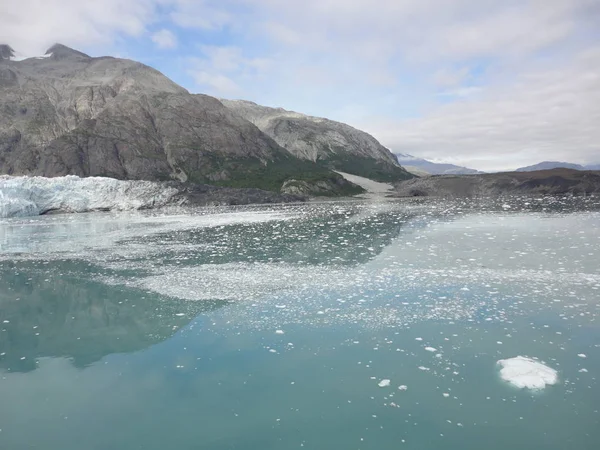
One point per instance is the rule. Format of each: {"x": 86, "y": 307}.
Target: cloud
{"x": 202, "y": 14}
{"x": 429, "y": 30}
{"x": 31, "y": 26}
{"x": 447, "y": 77}
{"x": 485, "y": 82}
{"x": 217, "y": 84}
{"x": 547, "y": 113}
{"x": 219, "y": 67}
{"x": 164, "y": 39}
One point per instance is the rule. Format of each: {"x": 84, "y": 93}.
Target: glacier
{"x": 23, "y": 196}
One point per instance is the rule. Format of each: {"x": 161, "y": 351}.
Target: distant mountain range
{"x": 545, "y": 165}
{"x": 420, "y": 166}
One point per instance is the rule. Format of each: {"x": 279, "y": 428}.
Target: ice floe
{"x": 524, "y": 372}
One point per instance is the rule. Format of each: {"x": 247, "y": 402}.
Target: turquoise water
{"x": 272, "y": 327}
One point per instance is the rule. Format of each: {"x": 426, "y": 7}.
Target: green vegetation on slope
{"x": 269, "y": 175}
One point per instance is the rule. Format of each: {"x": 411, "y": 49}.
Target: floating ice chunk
{"x": 431, "y": 349}
{"x": 424, "y": 368}
{"x": 384, "y": 383}
{"x": 403, "y": 387}
{"x": 527, "y": 373}
{"x": 180, "y": 314}
{"x": 583, "y": 370}
{"x": 279, "y": 332}
{"x": 582, "y": 355}
{"x": 418, "y": 339}
{"x": 445, "y": 394}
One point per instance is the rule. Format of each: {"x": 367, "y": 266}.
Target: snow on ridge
{"x": 20, "y": 57}
{"x": 32, "y": 196}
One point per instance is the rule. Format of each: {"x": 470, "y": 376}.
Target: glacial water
{"x": 336, "y": 325}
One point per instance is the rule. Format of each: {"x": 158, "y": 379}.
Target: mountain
{"x": 67, "y": 113}
{"x": 420, "y": 166}
{"x": 546, "y": 165}
{"x": 557, "y": 164}
{"x": 330, "y": 144}
{"x": 542, "y": 182}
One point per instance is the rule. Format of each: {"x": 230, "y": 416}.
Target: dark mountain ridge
{"x": 543, "y": 182}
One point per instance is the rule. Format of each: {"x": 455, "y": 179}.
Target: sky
{"x": 489, "y": 84}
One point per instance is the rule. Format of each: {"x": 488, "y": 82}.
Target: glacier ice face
{"x": 527, "y": 373}
{"x": 31, "y": 196}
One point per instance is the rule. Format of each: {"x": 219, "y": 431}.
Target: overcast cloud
{"x": 489, "y": 84}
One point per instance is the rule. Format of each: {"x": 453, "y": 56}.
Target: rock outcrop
{"x": 6, "y": 52}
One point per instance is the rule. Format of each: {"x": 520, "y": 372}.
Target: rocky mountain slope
{"x": 543, "y": 182}
{"x": 420, "y": 166}
{"x": 546, "y": 165}
{"x": 331, "y": 144}
{"x": 70, "y": 114}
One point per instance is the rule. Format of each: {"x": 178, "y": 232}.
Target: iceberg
{"x": 32, "y": 196}
{"x": 527, "y": 373}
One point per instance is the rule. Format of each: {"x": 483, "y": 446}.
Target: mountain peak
{"x": 546, "y": 165}
{"x": 60, "y": 51}
{"x": 6, "y": 52}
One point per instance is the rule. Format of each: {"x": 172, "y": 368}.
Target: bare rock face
{"x": 66, "y": 113}
{"x": 6, "y": 51}
{"x": 331, "y": 144}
